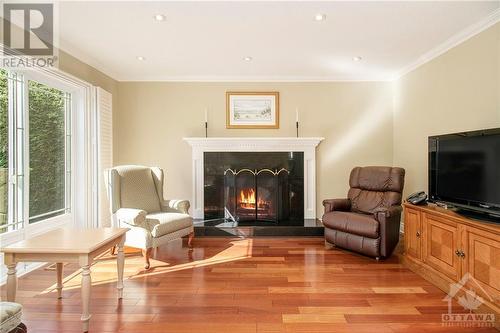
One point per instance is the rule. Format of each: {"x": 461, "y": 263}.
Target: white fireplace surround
{"x": 277, "y": 144}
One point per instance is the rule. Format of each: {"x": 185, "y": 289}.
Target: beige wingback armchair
{"x": 136, "y": 198}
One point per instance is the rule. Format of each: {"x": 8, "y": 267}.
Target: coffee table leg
{"x": 120, "y": 262}
{"x": 86, "y": 284}
{"x": 11, "y": 282}
{"x": 59, "y": 269}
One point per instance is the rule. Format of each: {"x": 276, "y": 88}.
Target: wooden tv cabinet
{"x": 443, "y": 246}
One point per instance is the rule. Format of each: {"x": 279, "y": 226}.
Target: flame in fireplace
{"x": 247, "y": 199}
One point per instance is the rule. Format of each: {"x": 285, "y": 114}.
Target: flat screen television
{"x": 464, "y": 170}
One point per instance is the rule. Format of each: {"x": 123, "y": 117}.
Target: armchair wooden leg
{"x": 147, "y": 254}
{"x": 190, "y": 239}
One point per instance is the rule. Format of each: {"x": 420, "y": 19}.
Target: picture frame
{"x": 252, "y": 109}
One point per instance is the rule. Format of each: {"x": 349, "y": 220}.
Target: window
{"x": 35, "y": 150}
{"x": 49, "y": 142}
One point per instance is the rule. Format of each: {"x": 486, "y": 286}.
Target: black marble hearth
{"x": 225, "y": 228}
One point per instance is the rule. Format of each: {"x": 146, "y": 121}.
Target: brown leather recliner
{"x": 368, "y": 220}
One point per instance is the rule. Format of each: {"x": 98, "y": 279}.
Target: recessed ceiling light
{"x": 159, "y": 17}
{"x": 248, "y": 58}
{"x": 140, "y": 58}
{"x": 357, "y": 58}
{"x": 320, "y": 17}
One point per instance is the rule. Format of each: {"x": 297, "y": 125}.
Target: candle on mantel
{"x": 206, "y": 115}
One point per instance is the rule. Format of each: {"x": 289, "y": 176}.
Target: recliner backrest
{"x": 375, "y": 187}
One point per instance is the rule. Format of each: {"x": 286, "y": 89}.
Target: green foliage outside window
{"x": 46, "y": 149}
{"x": 4, "y": 145}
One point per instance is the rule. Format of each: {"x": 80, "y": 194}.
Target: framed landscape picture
{"x": 252, "y": 109}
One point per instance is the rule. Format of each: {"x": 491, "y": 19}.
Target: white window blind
{"x": 104, "y": 151}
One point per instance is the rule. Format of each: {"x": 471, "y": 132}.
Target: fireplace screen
{"x": 260, "y": 187}
{"x": 259, "y": 195}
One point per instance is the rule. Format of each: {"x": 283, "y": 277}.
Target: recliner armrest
{"x": 175, "y": 206}
{"x": 384, "y": 214}
{"x": 131, "y": 216}
{"x": 389, "y": 223}
{"x": 337, "y": 205}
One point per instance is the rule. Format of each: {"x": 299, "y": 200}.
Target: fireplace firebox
{"x": 259, "y": 195}
{"x": 256, "y": 187}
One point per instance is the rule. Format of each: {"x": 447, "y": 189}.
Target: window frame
{"x": 80, "y": 158}
{"x": 66, "y": 217}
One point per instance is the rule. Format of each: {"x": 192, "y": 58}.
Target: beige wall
{"x": 458, "y": 91}
{"x": 364, "y": 123}
{"x": 355, "y": 119}
{"x": 81, "y": 70}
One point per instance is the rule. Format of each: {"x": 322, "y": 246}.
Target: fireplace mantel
{"x": 250, "y": 144}
{"x": 307, "y": 145}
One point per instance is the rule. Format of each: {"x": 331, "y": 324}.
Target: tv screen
{"x": 464, "y": 169}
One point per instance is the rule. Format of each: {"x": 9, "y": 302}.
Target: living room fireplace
{"x": 254, "y": 187}
{"x": 205, "y": 150}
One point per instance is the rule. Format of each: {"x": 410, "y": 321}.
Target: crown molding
{"x": 90, "y": 61}
{"x": 452, "y": 42}
{"x": 214, "y": 78}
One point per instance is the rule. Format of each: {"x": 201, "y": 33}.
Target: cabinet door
{"x": 413, "y": 231}
{"x": 482, "y": 258}
{"x": 441, "y": 240}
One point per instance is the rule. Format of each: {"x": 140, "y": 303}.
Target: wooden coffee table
{"x": 70, "y": 245}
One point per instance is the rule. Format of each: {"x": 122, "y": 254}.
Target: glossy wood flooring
{"x": 242, "y": 285}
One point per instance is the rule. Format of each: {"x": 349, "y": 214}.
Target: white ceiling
{"x": 208, "y": 40}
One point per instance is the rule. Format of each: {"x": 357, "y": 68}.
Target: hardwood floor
{"x": 263, "y": 285}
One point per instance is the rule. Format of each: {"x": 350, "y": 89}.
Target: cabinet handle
{"x": 462, "y": 254}
{"x": 418, "y": 233}
{"x": 457, "y": 253}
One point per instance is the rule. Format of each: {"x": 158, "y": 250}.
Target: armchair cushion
{"x": 131, "y": 216}
{"x": 10, "y": 316}
{"x": 162, "y": 223}
{"x": 352, "y": 223}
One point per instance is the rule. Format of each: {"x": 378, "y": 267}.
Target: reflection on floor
{"x": 258, "y": 285}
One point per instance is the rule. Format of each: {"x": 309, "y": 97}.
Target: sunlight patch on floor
{"x": 104, "y": 270}
{"x": 241, "y": 249}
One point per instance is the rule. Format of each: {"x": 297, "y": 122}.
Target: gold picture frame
{"x": 252, "y": 109}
